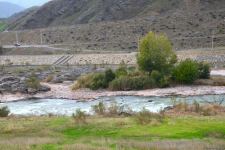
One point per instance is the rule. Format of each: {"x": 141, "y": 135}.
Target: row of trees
{"x": 156, "y": 54}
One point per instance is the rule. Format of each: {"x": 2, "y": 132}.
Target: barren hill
{"x": 68, "y": 12}
{"x": 117, "y": 24}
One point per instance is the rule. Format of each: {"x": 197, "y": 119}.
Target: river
{"x": 37, "y": 107}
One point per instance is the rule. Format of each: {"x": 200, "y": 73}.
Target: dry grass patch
{"x": 125, "y": 144}
{"x": 49, "y": 78}
{"x": 83, "y": 147}
{"x": 146, "y": 117}
{"x": 171, "y": 145}
{"x": 24, "y": 143}
{"x": 196, "y": 109}
{"x": 213, "y": 81}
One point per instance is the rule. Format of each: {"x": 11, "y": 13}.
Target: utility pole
{"x": 17, "y": 40}
{"x": 41, "y": 37}
{"x": 213, "y": 40}
{"x": 138, "y": 42}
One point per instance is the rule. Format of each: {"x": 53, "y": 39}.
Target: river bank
{"x": 63, "y": 91}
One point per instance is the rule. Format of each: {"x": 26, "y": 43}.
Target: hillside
{"x": 68, "y": 12}
{"x": 7, "y": 9}
{"x": 188, "y": 23}
{"x": 19, "y": 19}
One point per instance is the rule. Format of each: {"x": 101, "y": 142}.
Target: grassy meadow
{"x": 106, "y": 133}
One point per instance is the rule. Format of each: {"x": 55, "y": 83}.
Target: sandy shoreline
{"x": 63, "y": 91}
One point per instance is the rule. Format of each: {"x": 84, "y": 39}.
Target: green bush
{"x": 204, "y": 70}
{"x": 126, "y": 83}
{"x": 186, "y": 72}
{"x": 98, "y": 81}
{"x": 156, "y": 53}
{"x": 156, "y": 76}
{"x": 122, "y": 71}
{"x": 164, "y": 82}
{"x": 159, "y": 80}
{"x": 109, "y": 76}
{"x": 95, "y": 81}
{"x": 92, "y": 81}
{"x": 4, "y": 111}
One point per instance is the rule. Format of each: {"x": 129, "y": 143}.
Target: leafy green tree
{"x": 156, "y": 53}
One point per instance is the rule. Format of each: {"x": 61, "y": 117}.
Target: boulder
{"x": 14, "y": 84}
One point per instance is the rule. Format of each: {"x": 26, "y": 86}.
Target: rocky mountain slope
{"x": 18, "y": 19}
{"x": 116, "y": 25}
{"x": 68, "y": 12}
{"x": 7, "y": 9}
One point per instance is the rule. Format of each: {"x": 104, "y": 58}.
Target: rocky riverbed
{"x": 63, "y": 91}
{"x": 11, "y": 84}
{"x": 15, "y": 88}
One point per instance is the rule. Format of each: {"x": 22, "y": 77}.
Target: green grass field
{"x": 53, "y": 133}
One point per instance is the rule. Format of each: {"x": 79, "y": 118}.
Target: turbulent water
{"x": 67, "y": 107}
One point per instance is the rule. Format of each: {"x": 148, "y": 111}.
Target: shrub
{"x": 126, "y": 83}
{"x": 159, "y": 80}
{"x": 99, "y": 108}
{"x": 83, "y": 81}
{"x": 164, "y": 82}
{"x": 120, "y": 72}
{"x": 98, "y": 81}
{"x": 156, "y": 76}
{"x": 114, "y": 109}
{"x": 146, "y": 117}
{"x": 204, "y": 70}
{"x": 4, "y": 111}
{"x": 186, "y": 72}
{"x": 136, "y": 73}
{"x": 33, "y": 82}
{"x": 156, "y": 53}
{"x": 94, "y": 81}
{"x": 80, "y": 117}
{"x": 49, "y": 78}
{"x": 182, "y": 106}
{"x": 109, "y": 75}
{"x": 195, "y": 107}
{"x": 1, "y": 50}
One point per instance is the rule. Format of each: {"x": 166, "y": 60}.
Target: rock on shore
{"x": 11, "y": 84}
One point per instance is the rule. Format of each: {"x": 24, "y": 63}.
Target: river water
{"x": 39, "y": 107}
